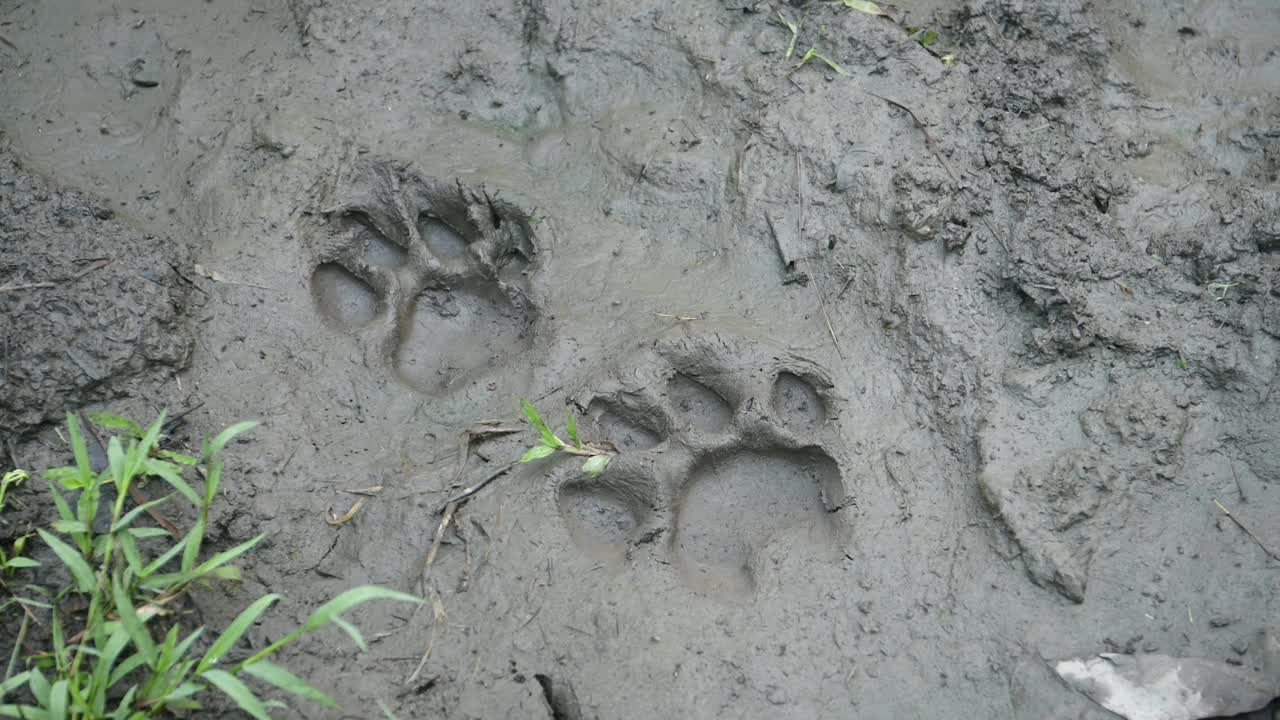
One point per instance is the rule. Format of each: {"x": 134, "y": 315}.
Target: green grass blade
{"x": 132, "y": 623}
{"x": 235, "y": 631}
{"x": 351, "y": 630}
{"x": 273, "y": 674}
{"x": 14, "y": 682}
{"x": 39, "y": 687}
{"x": 72, "y": 559}
{"x": 169, "y": 473}
{"x": 110, "y": 653}
{"x": 351, "y": 598}
{"x": 238, "y": 691}
{"x": 64, "y": 510}
{"x": 116, "y": 461}
{"x": 108, "y": 421}
{"x": 227, "y": 436}
{"x": 129, "y": 546}
{"x": 80, "y": 450}
{"x": 124, "y": 710}
{"x": 25, "y": 712}
{"x": 226, "y": 556}
{"x": 194, "y": 539}
{"x": 168, "y": 555}
{"x": 131, "y": 663}
{"x": 69, "y": 527}
{"x": 572, "y": 429}
{"x": 133, "y": 514}
{"x": 152, "y": 438}
{"x": 21, "y": 562}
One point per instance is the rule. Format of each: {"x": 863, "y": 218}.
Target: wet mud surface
{"x": 922, "y": 375}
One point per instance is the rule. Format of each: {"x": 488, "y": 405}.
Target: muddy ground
{"x": 921, "y": 374}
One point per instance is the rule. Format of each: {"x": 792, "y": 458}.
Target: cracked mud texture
{"x": 901, "y": 412}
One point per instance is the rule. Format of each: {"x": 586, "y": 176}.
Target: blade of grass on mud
{"x": 238, "y": 691}
{"x": 537, "y": 452}
{"x": 72, "y": 560}
{"x": 572, "y": 429}
{"x": 278, "y": 676}
{"x": 235, "y": 631}
{"x": 540, "y": 425}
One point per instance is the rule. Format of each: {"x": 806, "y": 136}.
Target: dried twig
{"x": 440, "y": 530}
{"x": 468, "y": 492}
{"x": 1246, "y": 530}
{"x": 335, "y": 520}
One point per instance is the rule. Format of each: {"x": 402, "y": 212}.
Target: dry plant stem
{"x": 468, "y": 492}
{"x": 449, "y": 510}
{"x": 1247, "y": 531}
{"x": 431, "y": 641}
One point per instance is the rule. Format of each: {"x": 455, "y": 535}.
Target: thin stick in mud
{"x": 1270, "y": 553}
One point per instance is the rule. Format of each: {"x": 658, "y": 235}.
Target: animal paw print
{"x": 433, "y": 275}
{"x": 724, "y": 448}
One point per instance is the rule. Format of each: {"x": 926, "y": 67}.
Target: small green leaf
{"x": 39, "y": 686}
{"x": 58, "y": 700}
{"x": 21, "y": 562}
{"x": 928, "y": 37}
{"x": 68, "y": 526}
{"x": 537, "y": 453}
{"x": 274, "y": 674}
{"x": 865, "y": 6}
{"x": 573, "y": 430}
{"x": 115, "y": 422}
{"x": 132, "y": 623}
{"x": 67, "y": 477}
{"x": 238, "y": 691}
{"x": 596, "y": 465}
{"x": 235, "y": 631}
{"x": 14, "y": 682}
{"x": 548, "y": 437}
{"x": 72, "y": 559}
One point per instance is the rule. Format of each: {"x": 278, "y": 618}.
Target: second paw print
{"x": 726, "y": 445}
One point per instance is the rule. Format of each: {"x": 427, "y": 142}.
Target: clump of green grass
{"x": 126, "y": 658}
{"x": 597, "y": 459}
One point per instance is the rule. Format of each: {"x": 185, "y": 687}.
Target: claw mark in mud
{"x": 727, "y": 446}
{"x": 431, "y": 274}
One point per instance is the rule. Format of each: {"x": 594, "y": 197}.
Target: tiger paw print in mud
{"x": 725, "y": 452}
{"x": 432, "y": 275}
